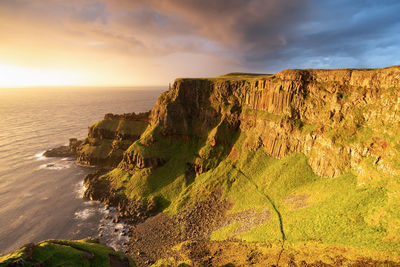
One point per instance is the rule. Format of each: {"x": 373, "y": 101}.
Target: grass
{"x": 63, "y": 253}
{"x": 225, "y": 232}
{"x": 339, "y": 211}
{"x": 233, "y": 76}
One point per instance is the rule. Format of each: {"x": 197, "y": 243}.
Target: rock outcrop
{"x": 315, "y": 112}
{"x": 109, "y": 138}
{"x": 64, "y": 151}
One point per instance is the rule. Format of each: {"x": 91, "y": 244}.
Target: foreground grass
{"x": 64, "y": 253}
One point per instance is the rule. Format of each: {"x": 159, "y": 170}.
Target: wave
{"x": 80, "y": 189}
{"x": 112, "y": 233}
{"x": 84, "y": 214}
{"x": 39, "y": 155}
{"x": 53, "y": 166}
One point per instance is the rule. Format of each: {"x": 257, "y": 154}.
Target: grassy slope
{"x": 64, "y": 253}
{"x": 337, "y": 212}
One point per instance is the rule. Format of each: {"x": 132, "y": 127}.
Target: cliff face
{"x": 325, "y": 114}
{"x": 109, "y": 138}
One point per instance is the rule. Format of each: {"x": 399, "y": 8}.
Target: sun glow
{"x": 17, "y": 76}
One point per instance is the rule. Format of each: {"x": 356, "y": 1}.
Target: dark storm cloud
{"x": 342, "y": 34}
{"x": 276, "y": 34}
{"x": 240, "y": 25}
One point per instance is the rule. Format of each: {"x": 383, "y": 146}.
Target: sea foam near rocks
{"x": 80, "y": 189}
{"x": 84, "y": 214}
{"x": 39, "y": 155}
{"x": 53, "y": 166}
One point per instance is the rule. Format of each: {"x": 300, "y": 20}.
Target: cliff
{"x": 109, "y": 138}
{"x": 299, "y": 158}
{"x": 329, "y": 115}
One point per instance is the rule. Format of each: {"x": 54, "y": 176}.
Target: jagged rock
{"x": 109, "y": 138}
{"x": 61, "y": 151}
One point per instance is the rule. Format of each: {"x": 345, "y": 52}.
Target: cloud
{"x": 250, "y": 35}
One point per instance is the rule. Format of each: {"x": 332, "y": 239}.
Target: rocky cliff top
{"x": 144, "y": 116}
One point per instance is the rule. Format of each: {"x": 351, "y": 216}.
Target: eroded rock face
{"x": 316, "y": 112}
{"x": 65, "y": 151}
{"x": 109, "y": 138}
{"x": 135, "y": 160}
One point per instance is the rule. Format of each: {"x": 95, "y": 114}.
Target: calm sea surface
{"x": 41, "y": 198}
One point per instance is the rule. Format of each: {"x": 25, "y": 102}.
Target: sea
{"x": 42, "y": 198}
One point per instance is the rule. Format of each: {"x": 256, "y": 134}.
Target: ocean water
{"x": 41, "y": 198}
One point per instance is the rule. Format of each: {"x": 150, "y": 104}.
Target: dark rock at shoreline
{"x": 64, "y": 151}
{"x": 132, "y": 210}
{"x": 61, "y": 151}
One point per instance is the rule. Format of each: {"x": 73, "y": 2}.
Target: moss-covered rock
{"x": 109, "y": 138}
{"x": 66, "y": 253}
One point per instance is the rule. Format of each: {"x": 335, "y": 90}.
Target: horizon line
{"x": 78, "y": 86}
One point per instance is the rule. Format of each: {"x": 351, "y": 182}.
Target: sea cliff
{"x": 109, "y": 138}
{"x": 295, "y": 168}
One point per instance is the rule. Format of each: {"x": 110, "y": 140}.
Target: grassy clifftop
{"x": 66, "y": 253}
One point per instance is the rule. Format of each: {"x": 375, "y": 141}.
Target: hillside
{"x": 297, "y": 168}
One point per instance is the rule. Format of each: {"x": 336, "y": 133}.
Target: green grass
{"x": 233, "y": 76}
{"x": 225, "y": 232}
{"x": 64, "y": 253}
{"x": 338, "y": 211}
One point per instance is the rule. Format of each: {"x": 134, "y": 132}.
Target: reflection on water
{"x": 41, "y": 198}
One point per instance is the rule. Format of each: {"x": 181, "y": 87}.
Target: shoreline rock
{"x": 64, "y": 151}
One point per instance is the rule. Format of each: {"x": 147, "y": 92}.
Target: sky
{"x": 152, "y": 42}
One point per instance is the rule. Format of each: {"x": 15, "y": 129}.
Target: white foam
{"x": 113, "y": 234}
{"x": 84, "y": 214}
{"x": 54, "y": 166}
{"x": 39, "y": 156}
{"x": 92, "y": 203}
{"x": 80, "y": 190}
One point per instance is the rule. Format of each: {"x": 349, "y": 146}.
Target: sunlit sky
{"x": 151, "y": 42}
